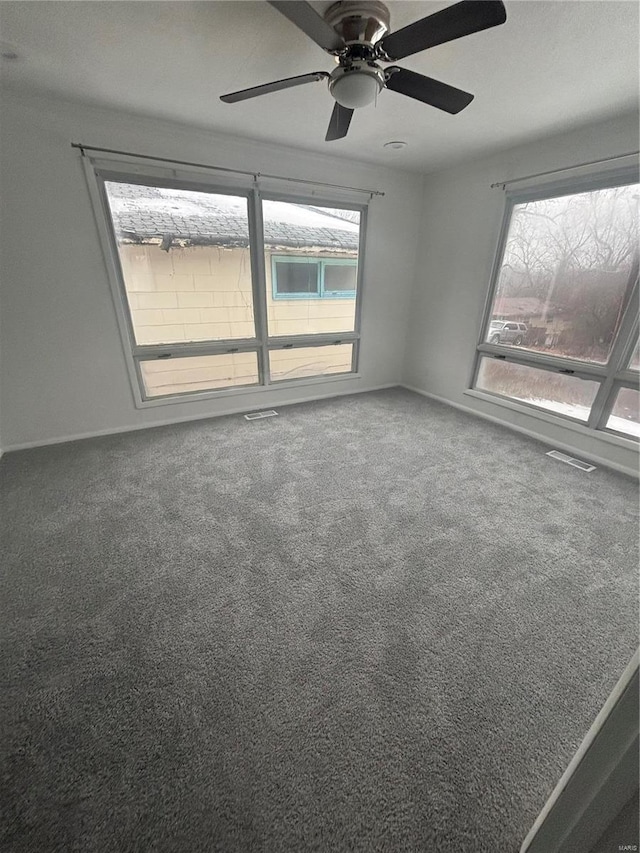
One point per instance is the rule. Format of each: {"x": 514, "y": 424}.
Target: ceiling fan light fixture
{"x": 356, "y": 88}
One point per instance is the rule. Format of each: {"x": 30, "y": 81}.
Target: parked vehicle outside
{"x": 501, "y": 332}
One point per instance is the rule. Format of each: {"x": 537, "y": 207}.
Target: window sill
{"x": 244, "y": 390}
{"x": 555, "y": 420}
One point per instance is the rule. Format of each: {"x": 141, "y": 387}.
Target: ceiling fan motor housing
{"x": 365, "y": 22}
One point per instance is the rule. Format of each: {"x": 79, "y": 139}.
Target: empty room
{"x": 319, "y": 424}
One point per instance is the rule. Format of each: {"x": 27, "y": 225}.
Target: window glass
{"x": 326, "y": 240}
{"x": 625, "y": 415}
{"x": 634, "y": 364}
{"x": 555, "y": 392}
{"x": 296, "y": 276}
{"x": 300, "y": 362}
{"x": 567, "y": 272}
{"x": 339, "y": 278}
{"x": 185, "y": 262}
{"x": 164, "y": 377}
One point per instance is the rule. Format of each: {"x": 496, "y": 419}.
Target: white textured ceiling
{"x": 555, "y": 64}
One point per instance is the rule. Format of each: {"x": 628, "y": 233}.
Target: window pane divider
{"x": 185, "y": 348}
{"x": 629, "y": 378}
{"x": 602, "y": 405}
{"x": 312, "y": 340}
{"x": 259, "y": 283}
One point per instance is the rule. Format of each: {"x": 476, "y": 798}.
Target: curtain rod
{"x": 255, "y": 175}
{"x": 504, "y": 184}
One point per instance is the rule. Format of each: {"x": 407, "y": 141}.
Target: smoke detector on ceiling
{"x": 8, "y": 51}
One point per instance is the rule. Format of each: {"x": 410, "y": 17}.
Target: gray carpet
{"x": 371, "y": 624}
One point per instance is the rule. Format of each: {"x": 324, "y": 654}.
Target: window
{"x": 313, "y": 278}
{"x": 184, "y": 279}
{"x": 182, "y": 375}
{"x": 310, "y": 361}
{"x": 561, "y": 331}
{"x": 555, "y": 392}
{"x": 209, "y": 302}
{"x": 295, "y": 277}
{"x": 312, "y": 269}
{"x": 339, "y": 278}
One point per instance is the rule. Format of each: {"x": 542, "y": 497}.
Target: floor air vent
{"x": 577, "y": 463}
{"x": 256, "y": 416}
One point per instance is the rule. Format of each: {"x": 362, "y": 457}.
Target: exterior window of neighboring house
{"x": 209, "y": 302}
{"x": 561, "y": 331}
{"x": 313, "y": 278}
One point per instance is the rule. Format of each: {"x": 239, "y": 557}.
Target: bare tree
{"x": 575, "y": 253}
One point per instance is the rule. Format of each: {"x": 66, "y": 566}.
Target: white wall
{"x": 458, "y": 237}
{"x": 64, "y": 373}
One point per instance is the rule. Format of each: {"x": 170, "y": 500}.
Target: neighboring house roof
{"x": 339, "y": 213}
{"x": 144, "y": 214}
{"x": 514, "y": 306}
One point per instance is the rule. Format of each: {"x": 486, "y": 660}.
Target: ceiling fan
{"x": 355, "y": 33}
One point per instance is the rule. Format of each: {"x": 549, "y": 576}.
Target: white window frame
{"x": 611, "y": 376}
{"x": 328, "y": 339}
{"x": 99, "y": 172}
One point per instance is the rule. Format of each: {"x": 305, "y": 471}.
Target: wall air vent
{"x": 577, "y": 463}
{"x": 256, "y": 416}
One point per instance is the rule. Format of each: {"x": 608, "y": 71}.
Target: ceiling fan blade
{"x": 339, "y": 123}
{"x": 309, "y": 21}
{"x": 462, "y": 19}
{"x": 276, "y": 86}
{"x": 427, "y": 90}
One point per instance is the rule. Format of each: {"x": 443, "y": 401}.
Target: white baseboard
{"x": 598, "y": 460}
{"x": 568, "y": 448}
{"x": 585, "y": 800}
{"x": 27, "y": 445}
